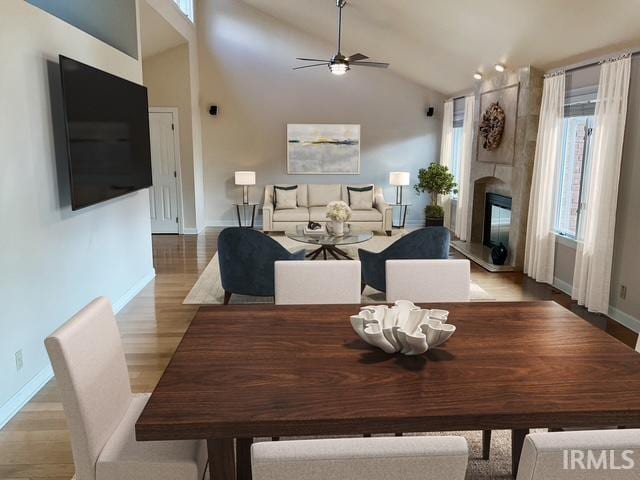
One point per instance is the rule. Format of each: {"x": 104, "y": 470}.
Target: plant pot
{"x": 434, "y": 222}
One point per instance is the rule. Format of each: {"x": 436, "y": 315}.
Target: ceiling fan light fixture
{"x": 499, "y": 67}
{"x": 477, "y": 76}
{"x": 338, "y": 68}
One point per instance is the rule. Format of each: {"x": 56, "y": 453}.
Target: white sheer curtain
{"x": 446, "y": 154}
{"x": 462, "y": 209}
{"x": 541, "y": 241}
{"x": 594, "y": 256}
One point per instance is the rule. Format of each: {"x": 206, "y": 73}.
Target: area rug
{"x": 208, "y": 288}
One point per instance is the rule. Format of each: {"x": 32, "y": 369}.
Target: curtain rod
{"x": 590, "y": 63}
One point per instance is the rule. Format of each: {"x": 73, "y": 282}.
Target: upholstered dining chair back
{"x": 425, "y": 243}
{"x": 89, "y": 364}
{"x": 317, "y": 282}
{"x": 378, "y": 458}
{"x": 428, "y": 280}
{"x": 246, "y": 258}
{"x": 584, "y": 455}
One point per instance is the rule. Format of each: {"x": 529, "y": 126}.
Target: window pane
{"x": 457, "y": 153}
{"x": 186, "y": 6}
{"x": 571, "y": 173}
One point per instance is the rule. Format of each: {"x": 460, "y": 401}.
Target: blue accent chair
{"x": 247, "y": 260}
{"x": 424, "y": 244}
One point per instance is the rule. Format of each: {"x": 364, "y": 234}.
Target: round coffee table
{"x": 328, "y": 243}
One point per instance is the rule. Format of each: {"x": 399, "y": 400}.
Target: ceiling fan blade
{"x": 356, "y": 57}
{"x": 314, "y": 65}
{"x": 313, "y": 60}
{"x": 369, "y": 64}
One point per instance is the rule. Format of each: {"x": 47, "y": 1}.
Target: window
{"x": 458, "y": 121}
{"x": 575, "y": 155}
{"x": 580, "y": 96}
{"x": 186, "y": 7}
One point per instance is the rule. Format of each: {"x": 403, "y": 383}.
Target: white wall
{"x": 166, "y": 76}
{"x": 193, "y": 194}
{"x": 52, "y": 260}
{"x": 245, "y": 68}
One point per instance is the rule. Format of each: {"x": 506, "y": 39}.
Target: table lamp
{"x": 245, "y": 179}
{"x": 399, "y": 180}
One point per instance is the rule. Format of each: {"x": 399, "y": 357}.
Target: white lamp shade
{"x": 245, "y": 178}
{"x": 399, "y": 179}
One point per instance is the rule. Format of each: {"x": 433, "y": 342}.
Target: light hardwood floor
{"x": 35, "y": 443}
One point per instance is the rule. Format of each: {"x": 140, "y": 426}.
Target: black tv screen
{"x": 107, "y": 125}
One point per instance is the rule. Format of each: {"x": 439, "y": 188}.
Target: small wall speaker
{"x": 213, "y": 110}
{"x": 429, "y": 111}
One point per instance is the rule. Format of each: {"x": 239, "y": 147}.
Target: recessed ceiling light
{"x": 499, "y": 67}
{"x": 477, "y": 76}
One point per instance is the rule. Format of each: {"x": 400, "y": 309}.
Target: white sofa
{"x": 312, "y": 206}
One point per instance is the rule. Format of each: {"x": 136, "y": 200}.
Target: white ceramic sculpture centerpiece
{"x": 403, "y": 328}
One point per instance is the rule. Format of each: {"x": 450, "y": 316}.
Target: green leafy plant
{"x": 436, "y": 180}
{"x": 434, "y": 211}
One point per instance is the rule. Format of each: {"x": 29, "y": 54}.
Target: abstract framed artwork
{"x": 323, "y": 149}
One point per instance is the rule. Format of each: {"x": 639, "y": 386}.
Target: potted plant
{"x": 437, "y": 180}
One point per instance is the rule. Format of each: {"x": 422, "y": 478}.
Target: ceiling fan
{"x": 339, "y": 64}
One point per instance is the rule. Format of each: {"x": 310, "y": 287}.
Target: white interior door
{"x": 164, "y": 163}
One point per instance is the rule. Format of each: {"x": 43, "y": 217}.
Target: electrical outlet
{"x": 623, "y": 292}
{"x": 19, "y": 360}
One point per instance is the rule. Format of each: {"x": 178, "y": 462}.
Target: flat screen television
{"x": 107, "y": 127}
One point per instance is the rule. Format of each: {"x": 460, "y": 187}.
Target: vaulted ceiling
{"x": 441, "y": 43}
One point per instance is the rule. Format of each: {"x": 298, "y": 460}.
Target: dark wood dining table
{"x": 246, "y": 371}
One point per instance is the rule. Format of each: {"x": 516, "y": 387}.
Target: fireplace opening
{"x": 497, "y": 220}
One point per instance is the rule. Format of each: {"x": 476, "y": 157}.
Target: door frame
{"x": 176, "y": 142}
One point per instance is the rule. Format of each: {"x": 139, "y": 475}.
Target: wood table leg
{"x": 517, "y": 442}
{"x": 222, "y": 459}
{"x": 243, "y": 458}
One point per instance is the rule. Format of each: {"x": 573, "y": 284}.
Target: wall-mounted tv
{"x": 107, "y": 126}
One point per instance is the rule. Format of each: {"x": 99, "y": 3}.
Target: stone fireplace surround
{"x": 509, "y": 180}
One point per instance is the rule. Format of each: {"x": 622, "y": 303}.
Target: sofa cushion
{"x": 285, "y": 197}
{"x": 360, "y": 198}
{"x": 318, "y": 214}
{"x": 370, "y": 215}
{"x": 300, "y": 214}
{"x": 321, "y": 195}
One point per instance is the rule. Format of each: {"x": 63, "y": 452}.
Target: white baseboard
{"x": 133, "y": 291}
{"x": 230, "y": 223}
{"x": 192, "y": 230}
{"x": 26, "y": 393}
{"x": 625, "y": 319}
{"x": 33, "y": 386}
{"x": 563, "y": 286}
{"x": 619, "y": 316}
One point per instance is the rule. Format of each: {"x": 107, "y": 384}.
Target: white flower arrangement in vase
{"x": 338, "y": 212}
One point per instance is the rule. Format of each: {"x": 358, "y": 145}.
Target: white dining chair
{"x": 377, "y": 458}
{"x": 428, "y": 280}
{"x": 317, "y": 282}
{"x": 91, "y": 374}
{"x": 584, "y": 455}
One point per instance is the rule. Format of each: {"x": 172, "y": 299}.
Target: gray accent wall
{"x": 246, "y": 58}
{"x": 112, "y": 21}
